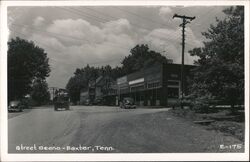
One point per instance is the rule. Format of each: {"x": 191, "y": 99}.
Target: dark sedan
{"x": 128, "y": 103}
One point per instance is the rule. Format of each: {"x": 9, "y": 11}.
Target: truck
{"x": 61, "y": 100}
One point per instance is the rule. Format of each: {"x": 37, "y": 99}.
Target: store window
{"x": 173, "y": 92}
{"x": 173, "y": 83}
{"x": 124, "y": 90}
{"x": 137, "y": 88}
{"x": 153, "y": 85}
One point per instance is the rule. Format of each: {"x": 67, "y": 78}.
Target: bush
{"x": 200, "y": 104}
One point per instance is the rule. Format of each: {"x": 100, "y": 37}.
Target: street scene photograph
{"x": 126, "y": 79}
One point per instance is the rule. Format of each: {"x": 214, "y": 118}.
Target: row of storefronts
{"x": 158, "y": 85}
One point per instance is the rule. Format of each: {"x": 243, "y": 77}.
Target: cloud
{"x": 165, "y": 12}
{"x": 47, "y": 41}
{"x": 75, "y": 31}
{"x": 72, "y": 43}
{"x": 38, "y": 21}
{"x": 191, "y": 39}
{"x": 117, "y": 27}
{"x": 168, "y": 42}
{"x": 78, "y": 43}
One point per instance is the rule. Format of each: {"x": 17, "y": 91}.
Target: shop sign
{"x": 136, "y": 81}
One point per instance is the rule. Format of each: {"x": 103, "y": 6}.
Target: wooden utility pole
{"x": 183, "y": 25}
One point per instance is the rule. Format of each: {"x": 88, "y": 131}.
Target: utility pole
{"x": 183, "y": 25}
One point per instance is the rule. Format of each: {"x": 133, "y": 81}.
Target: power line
{"x": 82, "y": 13}
{"x": 101, "y": 13}
{"x": 132, "y": 13}
{"x": 171, "y": 36}
{"x": 74, "y": 11}
{"x": 54, "y": 49}
{"x": 101, "y": 19}
{"x": 61, "y": 35}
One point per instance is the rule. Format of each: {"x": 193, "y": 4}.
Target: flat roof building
{"x": 159, "y": 85}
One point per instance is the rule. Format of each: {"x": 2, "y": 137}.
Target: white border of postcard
{"x": 116, "y": 156}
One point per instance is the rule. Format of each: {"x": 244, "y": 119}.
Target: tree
{"x": 80, "y": 81}
{"x": 220, "y": 70}
{"x": 142, "y": 57}
{"x": 40, "y": 93}
{"x": 26, "y": 63}
{"x": 74, "y": 87}
{"x": 117, "y": 72}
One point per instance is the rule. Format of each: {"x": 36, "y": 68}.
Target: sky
{"x": 76, "y": 36}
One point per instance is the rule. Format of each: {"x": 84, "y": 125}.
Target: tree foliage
{"x": 142, "y": 57}
{"x": 26, "y": 63}
{"x": 40, "y": 93}
{"x": 220, "y": 70}
{"x": 80, "y": 81}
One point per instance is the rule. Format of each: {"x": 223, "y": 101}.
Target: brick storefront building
{"x": 159, "y": 85}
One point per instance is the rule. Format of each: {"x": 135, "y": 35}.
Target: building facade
{"x": 159, "y": 85}
{"x": 98, "y": 90}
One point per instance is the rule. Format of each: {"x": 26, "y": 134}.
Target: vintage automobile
{"x": 98, "y": 101}
{"x": 87, "y": 102}
{"x": 127, "y": 103}
{"x": 61, "y": 100}
{"x": 16, "y": 106}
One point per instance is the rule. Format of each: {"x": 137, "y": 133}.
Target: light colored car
{"x": 15, "y": 105}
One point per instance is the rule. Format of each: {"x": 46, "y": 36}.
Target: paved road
{"x": 86, "y": 129}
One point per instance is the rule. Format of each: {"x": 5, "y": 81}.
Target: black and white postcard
{"x": 124, "y": 80}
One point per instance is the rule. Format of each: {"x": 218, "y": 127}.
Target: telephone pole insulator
{"x": 185, "y": 21}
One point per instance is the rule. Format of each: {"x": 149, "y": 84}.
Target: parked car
{"x": 128, "y": 103}
{"x": 87, "y": 102}
{"x": 98, "y": 101}
{"x": 15, "y": 105}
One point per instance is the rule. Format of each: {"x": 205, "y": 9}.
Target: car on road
{"x": 61, "y": 100}
{"x": 16, "y": 106}
{"x": 87, "y": 102}
{"x": 127, "y": 103}
{"x": 97, "y": 101}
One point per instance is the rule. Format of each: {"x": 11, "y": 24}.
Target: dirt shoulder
{"x": 222, "y": 121}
